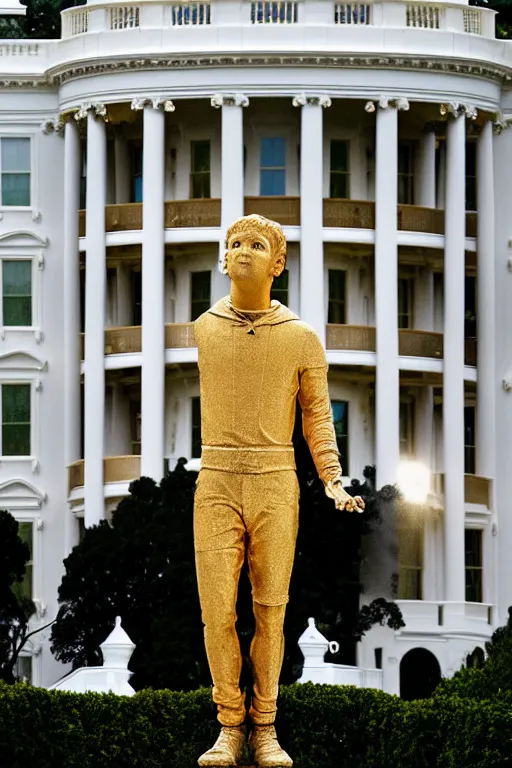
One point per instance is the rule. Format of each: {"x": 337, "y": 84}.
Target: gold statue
{"x": 255, "y": 358}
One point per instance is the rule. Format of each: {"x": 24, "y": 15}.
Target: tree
{"x": 15, "y": 608}
{"x": 142, "y": 568}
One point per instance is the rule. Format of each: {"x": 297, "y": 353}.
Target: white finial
{"x": 117, "y": 648}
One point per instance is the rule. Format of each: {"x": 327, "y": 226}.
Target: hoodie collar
{"x": 277, "y": 313}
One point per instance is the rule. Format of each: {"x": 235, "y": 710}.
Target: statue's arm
{"x": 317, "y": 422}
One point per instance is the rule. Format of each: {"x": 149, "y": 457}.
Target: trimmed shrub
{"x": 321, "y": 726}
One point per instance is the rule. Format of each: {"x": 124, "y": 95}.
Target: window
{"x": 340, "y": 418}
{"x": 405, "y": 173}
{"x": 470, "y": 318}
{"x": 406, "y": 428}
{"x": 137, "y": 174}
{"x": 17, "y": 293}
{"x": 410, "y": 557}
{"x": 199, "y": 169}
{"x": 469, "y": 439}
{"x": 339, "y": 173}
{"x": 15, "y": 420}
{"x": 15, "y": 166}
{"x": 196, "y": 428}
{"x": 81, "y": 529}
{"x": 137, "y": 296}
{"x": 83, "y": 174}
{"x": 405, "y": 302}
{"x": 337, "y": 296}
{"x": 279, "y": 290}
{"x": 25, "y": 588}
{"x": 23, "y": 669}
{"x": 471, "y": 176}
{"x": 474, "y": 570}
{"x": 273, "y": 165}
{"x": 200, "y": 286}
{"x": 135, "y": 426}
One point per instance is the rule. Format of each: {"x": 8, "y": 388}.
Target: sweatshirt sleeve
{"x": 317, "y": 422}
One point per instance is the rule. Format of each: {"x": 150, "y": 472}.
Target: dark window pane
{"x": 196, "y": 428}
{"x": 15, "y": 189}
{"x": 340, "y": 419}
{"x": 200, "y": 288}
{"x": 16, "y": 419}
{"x": 279, "y": 290}
{"x": 337, "y": 295}
{"x": 273, "y": 152}
{"x": 17, "y": 292}
{"x": 15, "y": 155}
{"x": 473, "y": 555}
{"x": 469, "y": 440}
{"x": 272, "y": 182}
{"x": 339, "y": 185}
{"x": 339, "y": 155}
{"x": 200, "y": 169}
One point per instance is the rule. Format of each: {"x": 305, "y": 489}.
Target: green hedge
{"x": 321, "y": 726}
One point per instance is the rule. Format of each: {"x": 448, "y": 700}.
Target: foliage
{"x": 490, "y": 679}
{"x": 319, "y": 725}
{"x": 15, "y": 608}
{"x": 41, "y": 22}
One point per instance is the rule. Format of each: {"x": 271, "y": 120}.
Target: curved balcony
{"x": 412, "y": 343}
{"x": 116, "y": 469}
{"x": 337, "y": 213}
{"x": 128, "y": 339}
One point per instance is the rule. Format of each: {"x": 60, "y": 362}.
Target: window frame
{"x": 346, "y": 173}
{"x": 193, "y": 301}
{"x": 479, "y": 568}
{"x": 193, "y": 174}
{"x": 334, "y": 301}
{"x": 31, "y": 186}
{"x": 409, "y": 176}
{"x": 407, "y": 407}
{"x": 21, "y": 259}
{"x": 417, "y": 528}
{"x": 470, "y": 448}
{"x": 21, "y": 456}
{"x": 284, "y": 168}
{"x": 408, "y": 282}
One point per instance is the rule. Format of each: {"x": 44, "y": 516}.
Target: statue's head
{"x": 255, "y": 249}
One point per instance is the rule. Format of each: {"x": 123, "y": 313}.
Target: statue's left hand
{"x": 343, "y": 500}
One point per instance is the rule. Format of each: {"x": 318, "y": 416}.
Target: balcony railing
{"x": 179, "y": 335}
{"x": 120, "y": 341}
{"x": 350, "y": 337}
{"x": 76, "y": 475}
{"x": 116, "y": 469}
{"x": 477, "y": 489}
{"x": 353, "y": 214}
{"x": 412, "y": 343}
{"x": 203, "y": 212}
{"x": 350, "y": 214}
{"x": 284, "y": 210}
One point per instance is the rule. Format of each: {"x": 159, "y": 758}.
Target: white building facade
{"x": 376, "y": 134}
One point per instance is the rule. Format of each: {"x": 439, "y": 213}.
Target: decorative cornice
{"x": 160, "y": 102}
{"x": 398, "y": 102}
{"x": 65, "y": 72}
{"x": 52, "y": 125}
{"x": 99, "y": 110}
{"x": 229, "y": 100}
{"x": 455, "y": 109}
{"x": 305, "y": 99}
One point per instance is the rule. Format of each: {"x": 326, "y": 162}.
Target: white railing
{"x": 124, "y": 17}
{"x": 352, "y": 13}
{"x": 190, "y": 14}
{"x": 75, "y": 23}
{"x": 274, "y": 12}
{"x": 472, "y": 21}
{"x": 424, "y": 16}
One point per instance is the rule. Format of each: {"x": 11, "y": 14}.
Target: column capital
{"x": 455, "y": 109}
{"x": 386, "y": 102}
{"x": 159, "y": 102}
{"x": 309, "y": 100}
{"x": 500, "y": 123}
{"x": 53, "y": 125}
{"x": 98, "y": 109}
{"x": 229, "y": 100}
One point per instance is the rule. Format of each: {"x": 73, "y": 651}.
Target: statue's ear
{"x": 225, "y": 265}
{"x": 279, "y": 266}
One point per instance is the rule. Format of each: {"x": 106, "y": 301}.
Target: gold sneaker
{"x": 265, "y": 746}
{"x": 228, "y": 750}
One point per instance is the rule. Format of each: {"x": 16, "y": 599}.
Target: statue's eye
{"x": 236, "y": 244}
{"x": 257, "y": 246}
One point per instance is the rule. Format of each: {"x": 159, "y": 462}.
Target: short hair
{"x": 267, "y": 227}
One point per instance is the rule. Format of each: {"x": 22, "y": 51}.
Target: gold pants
{"x": 235, "y": 512}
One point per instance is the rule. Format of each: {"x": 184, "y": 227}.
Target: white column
{"x": 426, "y": 176}
{"x": 486, "y": 399}
{"x": 153, "y": 292}
{"x": 122, "y": 170}
{"x": 387, "y": 443}
{"x": 71, "y": 279}
{"x": 95, "y": 301}
{"x": 453, "y": 379}
{"x": 232, "y": 178}
{"x": 311, "y": 292}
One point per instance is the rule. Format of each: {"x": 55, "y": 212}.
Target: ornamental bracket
{"x": 159, "y": 102}
{"x": 385, "y": 102}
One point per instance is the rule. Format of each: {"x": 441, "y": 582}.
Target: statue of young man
{"x": 255, "y": 358}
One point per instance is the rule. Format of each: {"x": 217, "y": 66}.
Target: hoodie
{"x": 252, "y": 367}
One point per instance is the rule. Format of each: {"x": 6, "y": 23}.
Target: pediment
{"x": 19, "y": 360}
{"x": 20, "y": 494}
{"x": 23, "y": 238}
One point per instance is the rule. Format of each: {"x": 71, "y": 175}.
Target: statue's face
{"x": 250, "y": 258}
